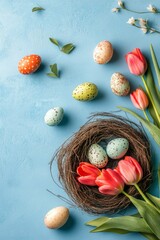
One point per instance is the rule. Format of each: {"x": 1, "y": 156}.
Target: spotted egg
{"x": 97, "y": 156}
{"x": 117, "y": 148}
{"x": 85, "y": 92}
{"x": 54, "y": 116}
{"x": 103, "y": 52}
{"x": 119, "y": 84}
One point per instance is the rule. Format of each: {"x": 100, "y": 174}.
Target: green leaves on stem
{"x": 67, "y": 48}
{"x": 153, "y": 129}
{"x": 54, "y": 71}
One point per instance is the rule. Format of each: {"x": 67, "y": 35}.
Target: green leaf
{"x": 149, "y": 214}
{"x": 67, "y": 48}
{"x": 155, "y": 63}
{"x": 124, "y": 224}
{"x": 54, "y": 41}
{"x": 54, "y": 71}
{"x": 153, "y": 115}
{"x": 150, "y": 236}
{"x": 98, "y": 221}
{"x": 153, "y": 129}
{"x": 52, "y": 75}
{"x": 154, "y": 200}
{"x": 159, "y": 178}
{"x": 37, "y": 9}
{"x": 152, "y": 89}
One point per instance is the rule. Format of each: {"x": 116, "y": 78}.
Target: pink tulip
{"x": 87, "y": 173}
{"x": 139, "y": 99}
{"x": 136, "y": 62}
{"x": 110, "y": 182}
{"x": 130, "y": 170}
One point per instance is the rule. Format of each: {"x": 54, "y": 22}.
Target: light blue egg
{"x": 117, "y": 148}
{"x": 54, "y": 116}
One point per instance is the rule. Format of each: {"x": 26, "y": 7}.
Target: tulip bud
{"x": 87, "y": 173}
{"x": 139, "y": 99}
{"x": 130, "y": 170}
{"x": 110, "y": 182}
{"x": 136, "y": 62}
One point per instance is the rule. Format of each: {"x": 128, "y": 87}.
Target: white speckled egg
{"x": 54, "y": 116}
{"x": 119, "y": 84}
{"x": 85, "y": 92}
{"x": 97, "y": 156}
{"x": 117, "y": 148}
{"x": 56, "y": 217}
{"x": 103, "y": 52}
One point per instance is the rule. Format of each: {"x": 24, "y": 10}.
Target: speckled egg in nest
{"x": 101, "y": 128}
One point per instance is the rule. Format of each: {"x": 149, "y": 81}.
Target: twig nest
{"x": 101, "y": 129}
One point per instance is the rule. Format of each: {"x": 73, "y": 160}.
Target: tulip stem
{"x": 151, "y": 99}
{"x": 145, "y": 114}
{"x": 144, "y": 197}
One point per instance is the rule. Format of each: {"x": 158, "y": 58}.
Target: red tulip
{"x": 87, "y": 173}
{"x": 130, "y": 170}
{"x": 136, "y": 62}
{"x": 139, "y": 99}
{"x": 110, "y": 182}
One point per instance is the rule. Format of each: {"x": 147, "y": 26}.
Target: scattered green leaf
{"x": 54, "y": 41}
{"x": 97, "y": 222}
{"x": 54, "y": 71}
{"x": 155, "y": 63}
{"x": 37, "y": 9}
{"x": 67, "y": 48}
{"x": 153, "y": 129}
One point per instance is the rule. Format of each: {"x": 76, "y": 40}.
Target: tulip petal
{"x": 138, "y": 167}
{"x": 85, "y": 169}
{"x": 87, "y": 180}
{"x": 134, "y": 100}
{"x": 109, "y": 190}
{"x": 136, "y": 66}
{"x": 128, "y": 172}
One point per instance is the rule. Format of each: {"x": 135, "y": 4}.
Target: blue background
{"x": 27, "y": 144}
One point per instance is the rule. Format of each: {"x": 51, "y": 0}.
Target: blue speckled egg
{"x": 97, "y": 156}
{"x": 117, "y": 148}
{"x": 54, "y": 116}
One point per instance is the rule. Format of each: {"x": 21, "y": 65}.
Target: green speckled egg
{"x": 85, "y": 91}
{"x": 54, "y": 116}
{"x": 117, "y": 148}
{"x": 97, "y": 156}
{"x": 119, "y": 84}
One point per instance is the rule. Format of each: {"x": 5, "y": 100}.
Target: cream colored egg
{"x": 56, "y": 217}
{"x": 103, "y": 52}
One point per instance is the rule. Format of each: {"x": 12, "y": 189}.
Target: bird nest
{"x": 101, "y": 128}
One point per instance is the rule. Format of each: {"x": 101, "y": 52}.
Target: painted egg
{"x": 119, "y": 84}
{"x": 29, "y": 64}
{"x": 56, "y": 217}
{"x": 54, "y": 116}
{"x": 103, "y": 52}
{"x": 117, "y": 148}
{"x": 85, "y": 92}
{"x": 97, "y": 156}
